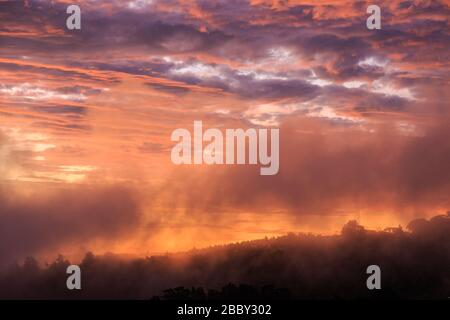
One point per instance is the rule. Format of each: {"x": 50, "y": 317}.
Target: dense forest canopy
{"x": 414, "y": 263}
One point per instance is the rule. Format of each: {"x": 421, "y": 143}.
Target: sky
{"x": 86, "y": 118}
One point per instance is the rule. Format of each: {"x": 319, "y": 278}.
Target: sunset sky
{"x": 86, "y": 118}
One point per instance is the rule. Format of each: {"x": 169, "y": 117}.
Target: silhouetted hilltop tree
{"x": 353, "y": 229}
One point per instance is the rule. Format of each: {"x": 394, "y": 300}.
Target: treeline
{"x": 415, "y": 264}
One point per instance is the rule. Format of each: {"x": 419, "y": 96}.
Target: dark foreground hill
{"x": 415, "y": 264}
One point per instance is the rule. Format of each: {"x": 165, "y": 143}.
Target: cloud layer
{"x": 363, "y": 116}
